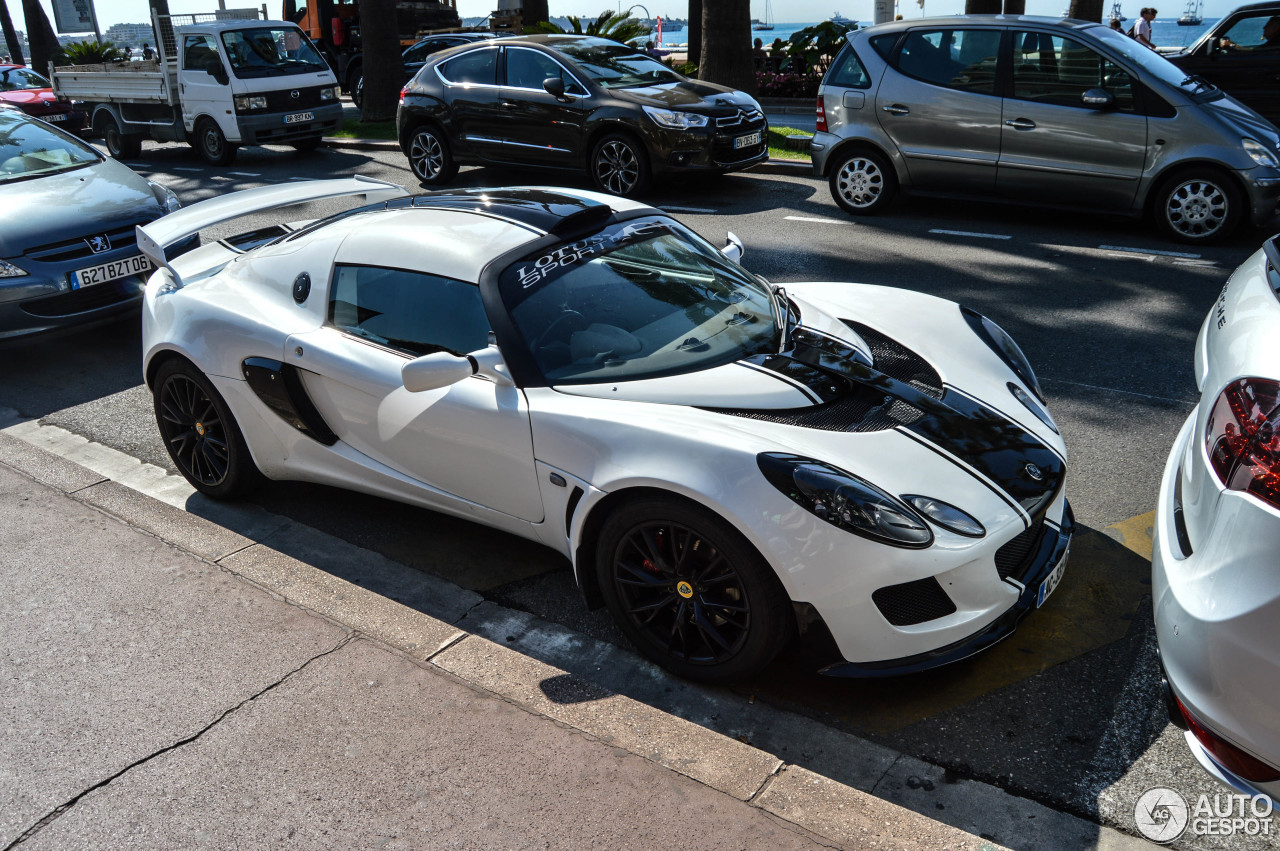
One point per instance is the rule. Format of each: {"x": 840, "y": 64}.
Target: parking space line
{"x": 138, "y": 165}
{"x": 818, "y": 221}
{"x": 302, "y": 178}
{"x": 186, "y": 168}
{"x": 1158, "y": 253}
{"x": 1188, "y": 402}
{"x": 975, "y": 234}
{"x": 244, "y": 173}
{"x": 688, "y": 209}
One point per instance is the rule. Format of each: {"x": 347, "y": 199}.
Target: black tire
{"x": 429, "y": 156}
{"x": 1198, "y": 206}
{"x": 212, "y": 144}
{"x": 302, "y": 146}
{"x": 620, "y": 166}
{"x": 862, "y": 182}
{"x": 200, "y": 433}
{"x": 119, "y": 144}
{"x": 357, "y": 89}
{"x": 690, "y": 592}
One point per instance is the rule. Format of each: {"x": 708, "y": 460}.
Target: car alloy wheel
{"x": 681, "y": 593}
{"x": 860, "y": 183}
{"x": 617, "y": 167}
{"x": 429, "y": 156}
{"x": 1197, "y": 209}
{"x": 689, "y": 591}
{"x": 200, "y": 434}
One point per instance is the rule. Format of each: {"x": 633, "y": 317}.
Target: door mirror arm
{"x": 443, "y": 369}
{"x": 734, "y": 249}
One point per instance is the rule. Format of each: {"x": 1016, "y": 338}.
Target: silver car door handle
{"x": 896, "y": 109}
{"x": 1022, "y": 124}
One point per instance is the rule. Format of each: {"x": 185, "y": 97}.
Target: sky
{"x": 785, "y": 11}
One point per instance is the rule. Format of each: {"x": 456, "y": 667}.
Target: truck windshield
{"x": 270, "y": 52}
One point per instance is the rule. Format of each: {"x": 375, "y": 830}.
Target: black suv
{"x": 1240, "y": 54}
{"x": 573, "y": 102}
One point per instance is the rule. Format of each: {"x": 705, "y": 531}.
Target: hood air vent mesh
{"x": 897, "y": 361}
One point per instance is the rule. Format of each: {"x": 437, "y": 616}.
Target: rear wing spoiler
{"x": 168, "y": 230}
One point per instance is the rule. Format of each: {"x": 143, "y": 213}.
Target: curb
{"x": 545, "y": 668}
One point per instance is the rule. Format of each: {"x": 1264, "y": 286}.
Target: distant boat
{"x": 1191, "y": 17}
{"x": 767, "y": 23}
{"x": 1115, "y": 13}
{"x": 838, "y": 18}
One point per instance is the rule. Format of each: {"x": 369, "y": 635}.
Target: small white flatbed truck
{"x": 217, "y": 85}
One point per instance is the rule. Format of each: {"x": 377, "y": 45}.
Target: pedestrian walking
{"x": 1142, "y": 29}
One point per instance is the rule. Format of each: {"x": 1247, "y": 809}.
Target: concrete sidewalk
{"x": 193, "y": 687}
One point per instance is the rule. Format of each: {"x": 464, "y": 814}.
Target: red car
{"x": 30, "y": 92}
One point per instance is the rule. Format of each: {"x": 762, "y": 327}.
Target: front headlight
{"x": 1003, "y": 345}
{"x": 844, "y": 500}
{"x": 8, "y": 270}
{"x": 329, "y": 93}
{"x": 1259, "y": 152}
{"x": 165, "y": 196}
{"x": 674, "y": 119}
{"x": 248, "y": 103}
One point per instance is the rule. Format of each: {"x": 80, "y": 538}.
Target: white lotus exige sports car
{"x": 722, "y": 461}
{"x": 1214, "y": 579}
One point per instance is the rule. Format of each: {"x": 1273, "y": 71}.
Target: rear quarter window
{"x": 848, "y": 71}
{"x": 479, "y": 68}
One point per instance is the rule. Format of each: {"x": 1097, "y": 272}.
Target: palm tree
{"x": 608, "y": 25}
{"x": 10, "y": 35}
{"x": 91, "y": 52}
{"x": 1086, "y": 10}
{"x": 726, "y": 44}
{"x": 40, "y": 37}
{"x": 695, "y": 32}
{"x": 383, "y": 70}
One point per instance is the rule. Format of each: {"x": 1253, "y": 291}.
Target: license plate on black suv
{"x": 747, "y": 141}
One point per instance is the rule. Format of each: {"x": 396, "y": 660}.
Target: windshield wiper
{"x": 1197, "y": 80}
{"x": 784, "y": 319}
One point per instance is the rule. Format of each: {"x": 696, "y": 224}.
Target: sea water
{"x": 1165, "y": 32}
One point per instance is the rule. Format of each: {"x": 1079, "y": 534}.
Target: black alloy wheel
{"x": 429, "y": 156}
{"x": 690, "y": 593}
{"x": 620, "y": 166}
{"x": 200, "y": 433}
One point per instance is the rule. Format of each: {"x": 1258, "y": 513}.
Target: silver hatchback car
{"x": 1044, "y": 111}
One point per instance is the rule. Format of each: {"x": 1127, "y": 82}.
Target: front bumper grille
{"x": 78, "y": 248}
{"x": 88, "y": 299}
{"x": 284, "y": 101}
{"x": 1015, "y": 558}
{"x": 913, "y": 602}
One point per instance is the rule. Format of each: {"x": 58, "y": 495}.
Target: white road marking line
{"x": 688, "y": 209}
{"x": 1126, "y": 392}
{"x": 138, "y": 165}
{"x": 244, "y": 173}
{"x": 1128, "y": 250}
{"x": 818, "y": 221}
{"x": 302, "y": 178}
{"x": 974, "y": 234}
{"x": 185, "y": 168}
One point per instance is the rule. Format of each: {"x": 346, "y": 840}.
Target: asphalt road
{"x": 1066, "y": 711}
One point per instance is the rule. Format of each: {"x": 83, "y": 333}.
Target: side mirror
{"x": 554, "y": 86}
{"x": 442, "y": 369}
{"x": 734, "y": 249}
{"x": 1098, "y": 99}
{"x": 219, "y": 74}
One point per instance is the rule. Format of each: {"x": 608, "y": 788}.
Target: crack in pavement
{"x": 61, "y": 809}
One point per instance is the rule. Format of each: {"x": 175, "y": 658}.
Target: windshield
{"x": 30, "y": 149}
{"x": 637, "y": 300}
{"x": 14, "y": 79}
{"x": 1150, "y": 61}
{"x": 271, "y": 51}
{"x": 616, "y": 66}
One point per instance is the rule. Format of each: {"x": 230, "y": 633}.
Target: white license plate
{"x": 61, "y": 116}
{"x": 746, "y": 141}
{"x": 298, "y": 117}
{"x": 1051, "y": 581}
{"x": 109, "y": 271}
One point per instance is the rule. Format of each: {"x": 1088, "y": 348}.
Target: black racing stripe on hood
{"x": 992, "y": 444}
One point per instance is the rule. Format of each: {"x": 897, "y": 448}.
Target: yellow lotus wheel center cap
{"x": 684, "y": 589}
{"x": 200, "y": 429}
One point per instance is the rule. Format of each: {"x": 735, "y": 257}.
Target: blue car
{"x": 67, "y": 249}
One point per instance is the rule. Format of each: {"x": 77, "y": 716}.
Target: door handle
{"x": 896, "y": 109}
{"x": 510, "y": 104}
{"x": 1022, "y": 124}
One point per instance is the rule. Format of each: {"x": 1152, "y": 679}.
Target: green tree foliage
{"x": 815, "y": 47}
{"x": 608, "y": 25}
{"x": 90, "y": 52}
